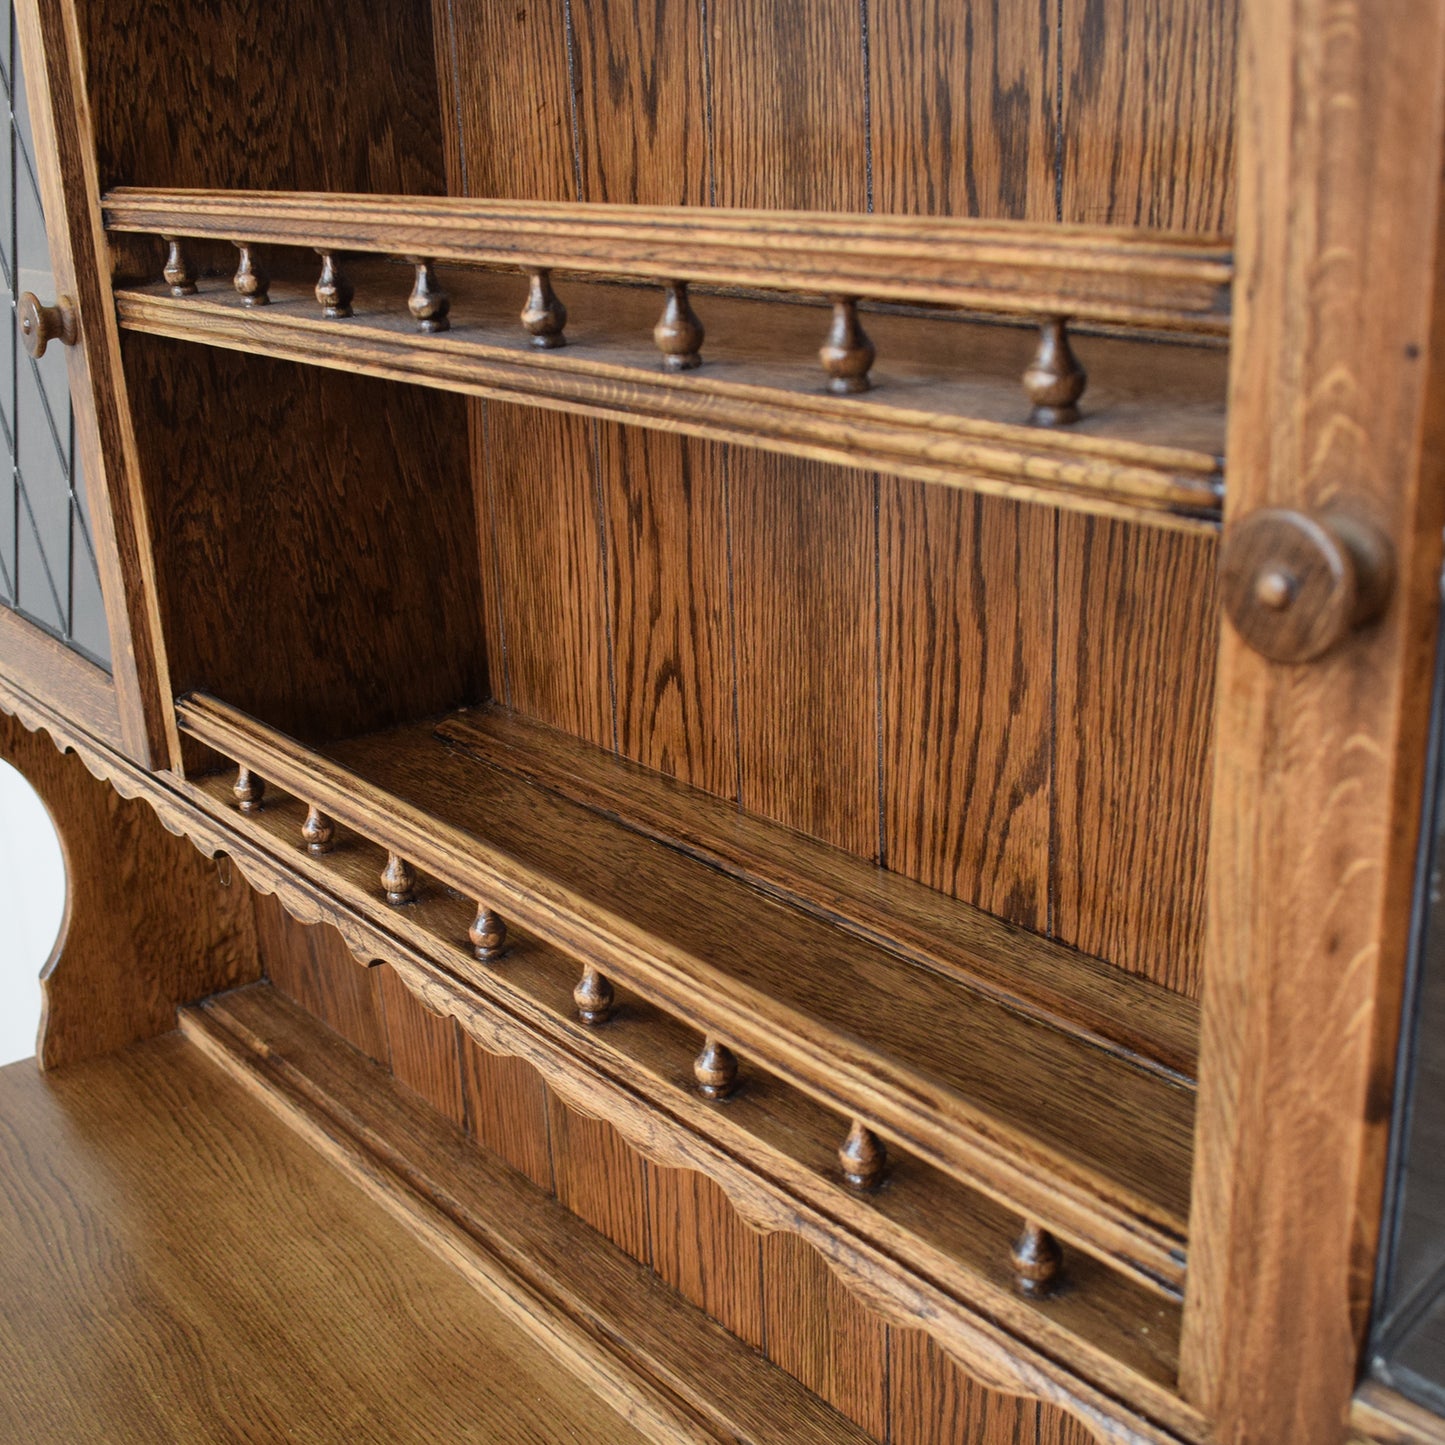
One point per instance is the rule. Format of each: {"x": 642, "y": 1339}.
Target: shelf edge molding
{"x": 842, "y": 1073}
{"x": 1093, "y": 273}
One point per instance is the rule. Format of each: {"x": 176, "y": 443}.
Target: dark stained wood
{"x": 269, "y": 522}
{"x": 841, "y": 1353}
{"x": 506, "y": 1104}
{"x": 422, "y": 1048}
{"x": 678, "y": 333}
{"x": 1148, "y": 113}
{"x": 704, "y": 1250}
{"x": 1054, "y": 380}
{"x": 787, "y": 106}
{"x": 847, "y": 353}
{"x": 313, "y": 967}
{"x": 599, "y": 1178}
{"x": 547, "y": 534}
{"x": 669, "y": 613}
{"x": 806, "y": 613}
{"x": 178, "y": 1265}
{"x": 966, "y": 642}
{"x": 963, "y": 108}
{"x": 52, "y": 673}
{"x": 498, "y": 52}
{"x": 226, "y": 114}
{"x": 149, "y": 923}
{"x": 1137, "y": 626}
{"x": 641, "y": 112}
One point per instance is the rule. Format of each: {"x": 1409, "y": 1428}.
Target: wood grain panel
{"x": 703, "y": 1249}
{"x": 506, "y": 1104}
{"x": 932, "y": 1401}
{"x": 1148, "y": 113}
{"x": 277, "y": 495}
{"x": 963, "y": 107}
{"x": 819, "y": 1333}
{"x": 507, "y": 97}
{"x": 541, "y": 483}
{"x": 215, "y": 116}
{"x": 422, "y": 1047}
{"x": 670, "y": 618}
{"x": 640, "y": 92}
{"x": 966, "y": 591}
{"x": 150, "y": 923}
{"x": 315, "y": 969}
{"x": 789, "y": 124}
{"x": 599, "y": 1178}
{"x": 805, "y": 599}
{"x": 1137, "y": 619}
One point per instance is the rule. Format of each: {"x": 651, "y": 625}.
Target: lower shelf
{"x": 670, "y": 1372}
{"x": 1072, "y": 1136}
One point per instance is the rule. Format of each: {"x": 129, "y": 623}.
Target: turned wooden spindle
{"x": 847, "y": 354}
{"x": 488, "y": 934}
{"x": 593, "y": 997}
{"x": 1054, "y": 380}
{"x": 1037, "y": 1261}
{"x": 179, "y": 273}
{"x": 863, "y": 1157}
{"x": 249, "y": 790}
{"x": 253, "y": 283}
{"x": 318, "y": 832}
{"x": 399, "y": 880}
{"x": 679, "y": 334}
{"x": 333, "y": 290}
{"x": 428, "y": 303}
{"x": 716, "y": 1070}
{"x": 544, "y": 315}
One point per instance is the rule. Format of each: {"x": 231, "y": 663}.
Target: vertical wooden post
{"x": 1336, "y": 396}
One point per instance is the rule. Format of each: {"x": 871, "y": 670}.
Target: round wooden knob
{"x": 1295, "y": 584}
{"x": 40, "y": 325}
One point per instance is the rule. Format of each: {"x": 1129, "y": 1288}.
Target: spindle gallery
{"x": 774, "y": 668}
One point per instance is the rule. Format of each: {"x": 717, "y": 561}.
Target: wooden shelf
{"x": 1063, "y": 1131}
{"x": 947, "y": 407}
{"x": 1095, "y": 273}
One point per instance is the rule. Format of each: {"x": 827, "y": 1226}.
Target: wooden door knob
{"x": 40, "y": 325}
{"x": 1296, "y": 584}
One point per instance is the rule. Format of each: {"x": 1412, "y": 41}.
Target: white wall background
{"x": 32, "y": 905}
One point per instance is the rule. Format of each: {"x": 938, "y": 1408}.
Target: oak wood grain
{"x": 842, "y": 1353}
{"x": 547, "y": 532}
{"x": 675, "y": 1375}
{"x": 771, "y": 1136}
{"x": 1147, "y": 108}
{"x": 932, "y": 1402}
{"x": 967, "y": 687}
{"x": 889, "y": 1046}
{"x": 149, "y": 923}
{"x": 506, "y": 1104}
{"x": 704, "y": 1250}
{"x": 670, "y": 613}
{"x": 805, "y": 610}
{"x": 1137, "y": 626}
{"x": 175, "y": 1262}
{"x": 1060, "y": 986}
{"x": 267, "y": 519}
{"x": 421, "y": 1048}
{"x": 963, "y": 108}
{"x": 599, "y": 1178}
{"x": 312, "y": 966}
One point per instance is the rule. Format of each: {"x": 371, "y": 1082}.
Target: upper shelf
{"x": 953, "y": 399}
{"x": 1092, "y": 273}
